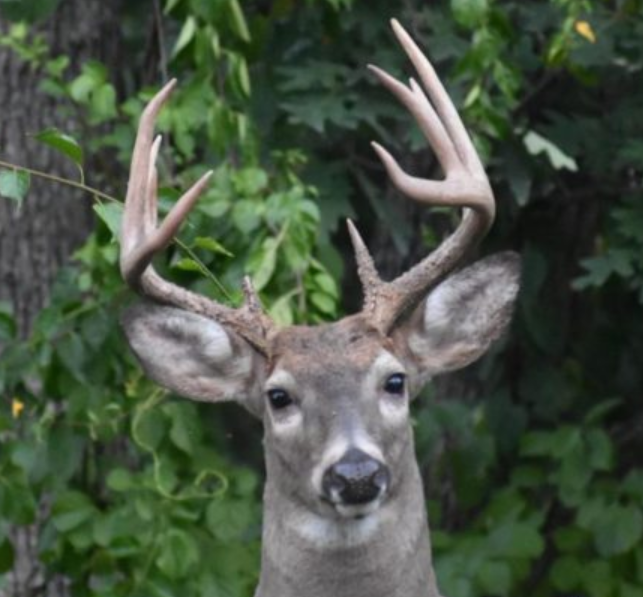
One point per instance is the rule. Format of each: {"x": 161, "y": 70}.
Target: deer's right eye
{"x": 279, "y": 398}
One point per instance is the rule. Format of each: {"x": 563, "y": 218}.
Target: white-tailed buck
{"x": 344, "y": 510}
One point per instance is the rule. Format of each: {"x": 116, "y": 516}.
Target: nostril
{"x": 333, "y": 485}
{"x": 355, "y": 479}
{"x": 381, "y": 478}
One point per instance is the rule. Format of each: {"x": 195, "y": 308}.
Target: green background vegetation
{"x": 532, "y": 459}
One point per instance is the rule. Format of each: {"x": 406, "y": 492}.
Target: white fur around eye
{"x": 394, "y": 409}
{"x": 290, "y": 419}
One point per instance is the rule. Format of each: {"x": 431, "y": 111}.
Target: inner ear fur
{"x": 460, "y": 319}
{"x": 194, "y": 356}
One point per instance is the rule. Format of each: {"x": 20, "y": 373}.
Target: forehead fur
{"x": 351, "y": 341}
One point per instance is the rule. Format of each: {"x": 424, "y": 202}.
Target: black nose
{"x": 355, "y": 479}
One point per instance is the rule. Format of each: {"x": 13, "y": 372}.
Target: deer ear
{"x": 193, "y": 355}
{"x": 462, "y": 316}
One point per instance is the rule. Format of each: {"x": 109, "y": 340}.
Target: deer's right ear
{"x": 193, "y": 355}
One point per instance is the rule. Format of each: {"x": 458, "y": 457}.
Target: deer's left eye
{"x": 279, "y": 398}
{"x": 395, "y": 383}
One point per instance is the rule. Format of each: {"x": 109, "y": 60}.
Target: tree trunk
{"x": 37, "y": 238}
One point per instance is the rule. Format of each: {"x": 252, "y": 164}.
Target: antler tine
{"x": 465, "y": 185}
{"x": 440, "y": 98}
{"x": 141, "y": 238}
{"x": 366, "y": 271}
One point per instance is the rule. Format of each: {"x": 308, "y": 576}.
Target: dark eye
{"x": 279, "y": 398}
{"x": 395, "y": 384}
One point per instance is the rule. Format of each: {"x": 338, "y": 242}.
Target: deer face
{"x": 335, "y": 398}
{"x": 336, "y": 416}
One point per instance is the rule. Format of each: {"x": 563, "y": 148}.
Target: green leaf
{"x": 65, "y": 452}
{"x": 537, "y": 144}
{"x": 72, "y": 353}
{"x": 179, "y": 553}
{"x": 17, "y": 504}
{"x": 601, "y": 452}
{"x": 264, "y": 263}
{"x": 63, "y": 143}
{"x": 633, "y": 485}
{"x": 103, "y": 103}
{"x": 238, "y": 20}
{"x": 93, "y": 76}
{"x": 170, "y": 5}
{"x": 119, "y": 479}
{"x": 186, "y": 35}
{"x": 148, "y": 428}
{"x": 57, "y": 66}
{"x": 495, "y": 578}
{"x": 70, "y": 510}
{"x": 6, "y": 556}
{"x": 323, "y": 302}
{"x": 601, "y": 410}
{"x": 597, "y": 578}
{"x": 8, "y": 326}
{"x": 629, "y": 590}
{"x": 516, "y": 540}
{"x": 209, "y": 244}
{"x": 185, "y": 430}
{"x": 469, "y": 13}
{"x": 281, "y": 310}
{"x": 246, "y": 215}
{"x": 27, "y": 11}
{"x": 570, "y": 539}
{"x": 250, "y": 181}
{"x": 240, "y": 76}
{"x": 566, "y": 573}
{"x": 112, "y": 215}
{"x": 617, "y": 529}
{"x": 187, "y": 264}
{"x": 227, "y": 520}
{"x": 14, "y": 185}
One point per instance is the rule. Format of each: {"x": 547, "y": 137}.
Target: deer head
{"x": 334, "y": 399}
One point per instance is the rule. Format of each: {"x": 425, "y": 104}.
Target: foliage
{"x": 536, "y": 488}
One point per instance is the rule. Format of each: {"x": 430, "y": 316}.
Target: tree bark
{"x": 37, "y": 238}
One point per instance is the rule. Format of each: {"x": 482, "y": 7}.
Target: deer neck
{"x": 385, "y": 554}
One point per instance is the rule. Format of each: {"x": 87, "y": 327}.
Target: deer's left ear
{"x": 463, "y": 315}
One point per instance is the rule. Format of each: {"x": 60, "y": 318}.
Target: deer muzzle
{"x": 356, "y": 483}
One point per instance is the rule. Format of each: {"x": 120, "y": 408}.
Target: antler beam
{"x": 465, "y": 185}
{"x": 142, "y": 237}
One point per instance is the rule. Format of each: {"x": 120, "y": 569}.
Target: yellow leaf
{"x": 17, "y": 407}
{"x": 584, "y": 29}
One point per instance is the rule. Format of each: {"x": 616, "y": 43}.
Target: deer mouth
{"x": 358, "y": 511}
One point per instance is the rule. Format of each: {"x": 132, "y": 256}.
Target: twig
{"x": 59, "y": 180}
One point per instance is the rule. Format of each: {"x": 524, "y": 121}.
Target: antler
{"x": 465, "y": 185}
{"x": 141, "y": 238}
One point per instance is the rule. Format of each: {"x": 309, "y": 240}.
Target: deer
{"x": 344, "y": 509}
